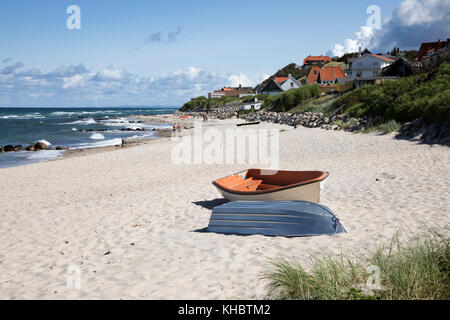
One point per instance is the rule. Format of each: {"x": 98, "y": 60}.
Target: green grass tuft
{"x": 418, "y": 271}
{"x": 385, "y": 128}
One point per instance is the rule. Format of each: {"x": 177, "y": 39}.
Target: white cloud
{"x": 108, "y": 74}
{"x": 12, "y": 68}
{"x": 239, "y": 79}
{"x": 362, "y": 39}
{"x": 414, "y": 12}
{"x": 77, "y": 86}
{"x": 412, "y": 22}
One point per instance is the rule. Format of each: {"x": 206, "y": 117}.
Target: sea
{"x": 75, "y": 128}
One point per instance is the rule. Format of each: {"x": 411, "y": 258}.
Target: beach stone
{"x": 8, "y": 148}
{"x": 18, "y": 148}
{"x": 30, "y": 148}
{"x": 40, "y": 146}
{"x": 1, "y": 149}
{"x": 59, "y": 148}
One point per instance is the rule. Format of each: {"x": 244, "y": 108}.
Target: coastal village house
{"x": 365, "y": 69}
{"x": 401, "y": 68}
{"x": 428, "y": 49}
{"x": 325, "y": 75}
{"x": 255, "y": 105}
{"x": 236, "y": 92}
{"x": 315, "y": 60}
{"x": 279, "y": 85}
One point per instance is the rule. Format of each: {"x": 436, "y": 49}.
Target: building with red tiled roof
{"x": 325, "y": 75}
{"x": 316, "y": 60}
{"x": 280, "y": 79}
{"x": 232, "y": 92}
{"x": 313, "y": 76}
{"x": 428, "y": 48}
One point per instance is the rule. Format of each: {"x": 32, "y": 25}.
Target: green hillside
{"x": 425, "y": 96}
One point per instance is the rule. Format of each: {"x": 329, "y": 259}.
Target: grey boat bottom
{"x": 274, "y": 218}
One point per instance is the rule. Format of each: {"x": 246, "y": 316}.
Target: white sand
{"x": 73, "y": 211}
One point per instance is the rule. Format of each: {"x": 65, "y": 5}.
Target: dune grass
{"x": 320, "y": 104}
{"x": 385, "y": 128}
{"x": 345, "y": 125}
{"x": 417, "y": 271}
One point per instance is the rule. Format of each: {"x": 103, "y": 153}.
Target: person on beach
{"x": 179, "y": 129}
{"x": 174, "y": 130}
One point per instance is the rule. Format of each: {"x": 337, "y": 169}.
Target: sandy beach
{"x": 128, "y": 218}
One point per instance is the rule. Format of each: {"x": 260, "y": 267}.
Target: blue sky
{"x": 212, "y": 43}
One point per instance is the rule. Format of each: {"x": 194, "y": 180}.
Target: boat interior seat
{"x": 264, "y": 186}
{"x": 229, "y": 181}
{"x": 249, "y": 185}
{"x": 237, "y": 183}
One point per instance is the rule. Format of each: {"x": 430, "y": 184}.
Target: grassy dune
{"x": 417, "y": 271}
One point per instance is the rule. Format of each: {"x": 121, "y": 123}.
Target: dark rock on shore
{"x": 92, "y": 130}
{"x": 10, "y": 148}
{"x": 306, "y": 119}
{"x": 133, "y": 129}
{"x": 59, "y": 148}
{"x": 30, "y": 148}
{"x": 95, "y": 130}
{"x": 40, "y": 146}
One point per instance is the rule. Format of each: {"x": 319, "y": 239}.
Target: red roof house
{"x": 313, "y": 76}
{"x": 429, "y": 47}
{"x": 280, "y": 79}
{"x": 314, "y": 60}
{"x": 325, "y": 75}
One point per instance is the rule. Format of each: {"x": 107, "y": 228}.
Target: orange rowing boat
{"x": 273, "y": 185}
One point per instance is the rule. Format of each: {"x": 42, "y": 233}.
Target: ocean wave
{"x": 45, "y": 142}
{"x": 132, "y": 124}
{"x": 114, "y": 122}
{"x": 97, "y": 136}
{"x": 99, "y": 112}
{"x": 71, "y": 113}
{"x": 35, "y": 115}
{"x": 103, "y": 143}
{"x": 82, "y": 122}
{"x": 44, "y": 155}
{"x": 63, "y": 113}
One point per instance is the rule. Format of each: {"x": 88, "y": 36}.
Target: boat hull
{"x": 272, "y": 185}
{"x": 309, "y": 192}
{"x": 274, "y": 218}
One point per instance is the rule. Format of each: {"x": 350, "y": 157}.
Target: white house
{"x": 256, "y": 105}
{"x": 288, "y": 83}
{"x": 279, "y": 85}
{"x": 364, "y": 69}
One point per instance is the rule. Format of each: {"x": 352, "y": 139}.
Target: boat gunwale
{"x": 324, "y": 175}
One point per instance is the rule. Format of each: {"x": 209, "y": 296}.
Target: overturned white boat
{"x": 274, "y": 218}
